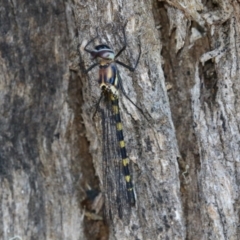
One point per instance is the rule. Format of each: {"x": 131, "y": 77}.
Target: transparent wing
{"x": 114, "y": 185}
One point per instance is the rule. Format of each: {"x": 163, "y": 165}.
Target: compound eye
{"x": 108, "y": 55}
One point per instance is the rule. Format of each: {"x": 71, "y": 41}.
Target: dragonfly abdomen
{"x": 125, "y": 160}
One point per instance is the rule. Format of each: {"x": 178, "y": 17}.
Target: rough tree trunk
{"x": 184, "y": 158}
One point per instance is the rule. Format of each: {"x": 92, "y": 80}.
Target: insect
{"x": 110, "y": 83}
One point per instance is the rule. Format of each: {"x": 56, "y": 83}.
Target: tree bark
{"x": 184, "y": 155}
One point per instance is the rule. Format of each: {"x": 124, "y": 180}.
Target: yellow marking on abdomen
{"x": 119, "y": 126}
{"x": 115, "y": 109}
{"x": 122, "y": 144}
{"x": 128, "y": 178}
{"x": 125, "y": 162}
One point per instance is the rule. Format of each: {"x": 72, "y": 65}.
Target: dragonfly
{"x": 110, "y": 84}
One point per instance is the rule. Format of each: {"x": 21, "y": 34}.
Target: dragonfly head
{"x": 103, "y": 53}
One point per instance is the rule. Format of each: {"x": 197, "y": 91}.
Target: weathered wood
{"x": 204, "y": 77}
{"x": 39, "y": 168}
{"x": 184, "y": 157}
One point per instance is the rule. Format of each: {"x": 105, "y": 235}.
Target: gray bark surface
{"x": 184, "y": 157}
